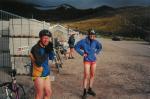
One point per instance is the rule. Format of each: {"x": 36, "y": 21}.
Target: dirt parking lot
{"x": 123, "y": 72}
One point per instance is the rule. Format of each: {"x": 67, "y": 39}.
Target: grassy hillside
{"x": 104, "y": 24}
{"x": 128, "y": 21}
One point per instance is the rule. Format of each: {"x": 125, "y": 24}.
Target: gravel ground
{"x": 123, "y": 72}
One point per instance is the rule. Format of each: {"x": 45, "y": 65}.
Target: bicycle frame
{"x": 7, "y": 93}
{"x": 57, "y": 58}
{"x": 12, "y": 87}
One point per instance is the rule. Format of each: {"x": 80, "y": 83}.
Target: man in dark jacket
{"x": 71, "y": 43}
{"x": 88, "y": 48}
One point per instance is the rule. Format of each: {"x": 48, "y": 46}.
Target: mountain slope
{"x": 62, "y": 12}
{"x": 129, "y": 22}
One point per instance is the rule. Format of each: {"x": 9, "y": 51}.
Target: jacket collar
{"x": 88, "y": 40}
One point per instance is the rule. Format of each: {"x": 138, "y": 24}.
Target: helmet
{"x": 45, "y": 32}
{"x": 91, "y": 32}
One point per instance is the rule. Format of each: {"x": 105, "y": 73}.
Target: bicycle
{"x": 57, "y": 49}
{"x": 12, "y": 90}
{"x": 57, "y": 58}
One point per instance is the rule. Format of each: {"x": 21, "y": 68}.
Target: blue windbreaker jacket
{"x": 85, "y": 46}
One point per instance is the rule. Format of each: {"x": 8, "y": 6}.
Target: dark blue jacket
{"x": 85, "y": 46}
{"x": 71, "y": 41}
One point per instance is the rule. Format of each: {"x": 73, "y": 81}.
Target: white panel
{"x": 20, "y": 46}
{"x": 4, "y": 25}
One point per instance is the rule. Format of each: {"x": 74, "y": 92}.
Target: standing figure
{"x": 89, "y": 48}
{"x": 71, "y": 43}
{"x": 40, "y": 55}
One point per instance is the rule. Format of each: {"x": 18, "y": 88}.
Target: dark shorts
{"x": 71, "y": 46}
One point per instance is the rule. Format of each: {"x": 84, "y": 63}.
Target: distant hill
{"x": 63, "y": 12}
{"x": 21, "y": 9}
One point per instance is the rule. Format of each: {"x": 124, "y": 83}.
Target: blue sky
{"x": 88, "y": 3}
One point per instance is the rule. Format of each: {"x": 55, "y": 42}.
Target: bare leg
{"x": 72, "y": 52}
{"x": 86, "y": 75}
{"x": 38, "y": 84}
{"x": 92, "y": 74}
{"x": 47, "y": 88}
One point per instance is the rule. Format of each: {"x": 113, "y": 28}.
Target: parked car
{"x": 116, "y": 38}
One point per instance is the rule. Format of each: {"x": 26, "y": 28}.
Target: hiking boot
{"x": 84, "y": 94}
{"x": 72, "y": 57}
{"x": 91, "y": 92}
{"x": 69, "y": 57}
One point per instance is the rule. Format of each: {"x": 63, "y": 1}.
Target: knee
{"x": 39, "y": 95}
{"x": 48, "y": 92}
{"x": 86, "y": 75}
{"x": 92, "y": 75}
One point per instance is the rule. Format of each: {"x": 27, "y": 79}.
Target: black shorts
{"x": 71, "y": 46}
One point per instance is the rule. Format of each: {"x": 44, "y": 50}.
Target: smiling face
{"x": 45, "y": 40}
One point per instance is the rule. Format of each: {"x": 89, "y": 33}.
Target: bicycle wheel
{"x": 9, "y": 91}
{"x": 5, "y": 92}
{"x": 21, "y": 92}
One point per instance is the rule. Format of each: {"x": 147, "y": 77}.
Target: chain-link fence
{"x": 17, "y": 36}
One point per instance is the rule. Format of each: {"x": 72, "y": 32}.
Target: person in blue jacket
{"x": 89, "y": 48}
